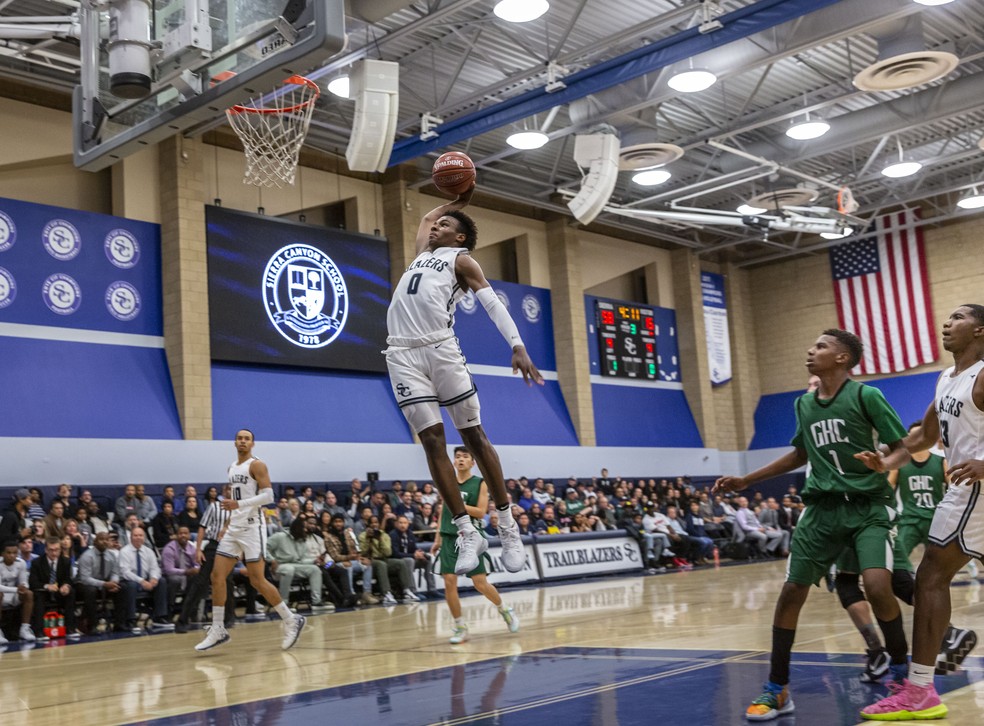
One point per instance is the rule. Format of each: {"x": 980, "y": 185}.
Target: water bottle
{"x": 717, "y": 557}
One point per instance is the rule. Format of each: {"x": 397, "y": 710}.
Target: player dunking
{"x": 956, "y": 535}
{"x": 250, "y": 489}
{"x": 427, "y": 369}
{"x": 846, "y": 503}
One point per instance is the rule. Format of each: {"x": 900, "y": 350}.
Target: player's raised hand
{"x": 521, "y": 363}
{"x": 966, "y": 472}
{"x": 729, "y": 484}
{"x": 229, "y": 505}
{"x": 873, "y": 460}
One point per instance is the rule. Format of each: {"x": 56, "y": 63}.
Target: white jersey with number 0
{"x": 961, "y": 422}
{"x": 243, "y": 486}
{"x": 422, "y": 309}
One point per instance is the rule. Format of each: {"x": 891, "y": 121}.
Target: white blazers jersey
{"x": 243, "y": 486}
{"x": 961, "y": 422}
{"x": 422, "y": 309}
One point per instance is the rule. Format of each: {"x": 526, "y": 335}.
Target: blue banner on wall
{"x": 71, "y": 269}
{"x": 716, "y": 327}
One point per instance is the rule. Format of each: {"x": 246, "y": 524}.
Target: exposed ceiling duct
{"x": 776, "y": 199}
{"x": 903, "y": 61}
{"x": 372, "y": 11}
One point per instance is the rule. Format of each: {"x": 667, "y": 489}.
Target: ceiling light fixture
{"x": 807, "y": 129}
{"x": 973, "y": 200}
{"x": 340, "y": 86}
{"x": 748, "y": 210}
{"x": 903, "y": 167}
{"x": 525, "y": 140}
{"x": 520, "y": 11}
{"x": 651, "y": 177}
{"x": 933, "y": 2}
{"x": 846, "y": 232}
{"x": 692, "y": 80}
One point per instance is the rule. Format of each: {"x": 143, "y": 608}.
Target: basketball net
{"x": 272, "y": 136}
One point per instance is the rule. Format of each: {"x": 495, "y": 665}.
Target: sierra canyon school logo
{"x": 8, "y": 288}
{"x": 467, "y": 303}
{"x": 123, "y": 301}
{"x": 531, "y": 308}
{"x": 8, "y": 232}
{"x": 305, "y": 296}
{"x": 61, "y": 239}
{"x": 122, "y": 249}
{"x": 61, "y": 294}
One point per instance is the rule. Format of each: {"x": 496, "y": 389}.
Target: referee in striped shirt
{"x": 211, "y": 527}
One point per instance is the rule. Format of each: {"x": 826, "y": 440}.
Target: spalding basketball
{"x": 453, "y": 173}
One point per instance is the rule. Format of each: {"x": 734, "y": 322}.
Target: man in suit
{"x": 405, "y": 549}
{"x": 51, "y": 582}
{"x": 99, "y": 579}
{"x": 772, "y": 517}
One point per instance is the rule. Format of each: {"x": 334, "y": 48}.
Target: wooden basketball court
{"x": 687, "y": 647}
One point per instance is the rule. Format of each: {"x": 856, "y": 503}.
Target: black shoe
{"x": 957, "y": 644}
{"x": 876, "y": 667}
{"x": 180, "y": 627}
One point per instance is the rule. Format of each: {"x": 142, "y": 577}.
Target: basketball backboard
{"x": 171, "y": 65}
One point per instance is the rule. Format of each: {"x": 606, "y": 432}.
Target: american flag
{"x": 882, "y": 291}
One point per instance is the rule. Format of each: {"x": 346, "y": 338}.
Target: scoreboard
{"x": 626, "y": 340}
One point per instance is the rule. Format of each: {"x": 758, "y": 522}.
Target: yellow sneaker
{"x": 770, "y": 705}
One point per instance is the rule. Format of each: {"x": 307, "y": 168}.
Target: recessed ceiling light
{"x": 933, "y": 2}
{"x": 901, "y": 169}
{"x": 651, "y": 177}
{"x": 692, "y": 80}
{"x": 527, "y": 139}
{"x": 846, "y": 232}
{"x": 520, "y": 11}
{"x": 806, "y": 130}
{"x": 748, "y": 209}
{"x": 974, "y": 200}
{"x": 340, "y": 86}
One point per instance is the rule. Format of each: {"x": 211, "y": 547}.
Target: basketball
{"x": 453, "y": 173}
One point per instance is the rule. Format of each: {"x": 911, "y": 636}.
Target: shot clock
{"x": 626, "y": 340}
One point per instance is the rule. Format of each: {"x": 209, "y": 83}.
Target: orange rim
{"x": 294, "y": 80}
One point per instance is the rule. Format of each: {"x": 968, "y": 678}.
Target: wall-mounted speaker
{"x": 375, "y": 86}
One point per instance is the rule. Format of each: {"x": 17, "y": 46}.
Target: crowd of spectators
{"x": 110, "y": 559}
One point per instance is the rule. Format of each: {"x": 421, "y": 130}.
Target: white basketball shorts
{"x": 10, "y": 599}
{"x": 430, "y": 376}
{"x": 960, "y": 517}
{"x": 249, "y": 542}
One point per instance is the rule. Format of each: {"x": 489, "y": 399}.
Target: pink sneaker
{"x": 907, "y": 703}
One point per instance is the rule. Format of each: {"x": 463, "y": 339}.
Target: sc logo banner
{"x": 62, "y": 294}
{"x": 61, "y": 239}
{"x": 122, "y": 301}
{"x": 122, "y": 249}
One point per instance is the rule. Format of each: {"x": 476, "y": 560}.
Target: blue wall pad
{"x": 305, "y": 405}
{"x": 642, "y": 416}
{"x": 85, "y": 390}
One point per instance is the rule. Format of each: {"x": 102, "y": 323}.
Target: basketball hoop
{"x": 846, "y": 204}
{"x": 272, "y": 136}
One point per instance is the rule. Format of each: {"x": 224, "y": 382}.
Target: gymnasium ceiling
{"x": 457, "y": 59}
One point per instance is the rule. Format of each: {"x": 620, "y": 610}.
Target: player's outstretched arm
{"x": 460, "y": 202}
{"x": 926, "y": 435}
{"x": 897, "y": 457}
{"x": 471, "y": 277}
{"x": 783, "y": 465}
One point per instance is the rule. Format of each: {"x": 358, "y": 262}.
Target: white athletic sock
{"x": 463, "y": 523}
{"x": 283, "y": 611}
{"x": 505, "y": 517}
{"x": 921, "y": 675}
{"x": 218, "y": 615}
{"x": 458, "y": 622}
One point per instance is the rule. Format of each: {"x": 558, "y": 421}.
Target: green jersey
{"x": 470, "y": 489}
{"x": 832, "y": 431}
{"x": 920, "y": 487}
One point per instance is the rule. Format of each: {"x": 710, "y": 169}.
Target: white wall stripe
{"x": 506, "y": 372}
{"x": 74, "y": 335}
{"x": 635, "y": 383}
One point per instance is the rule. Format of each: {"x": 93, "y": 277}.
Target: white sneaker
{"x": 3, "y": 640}
{"x": 512, "y": 621}
{"x": 217, "y": 635}
{"x": 292, "y": 631}
{"x": 459, "y": 634}
{"x": 322, "y": 608}
{"x": 388, "y": 599}
{"x": 410, "y": 596}
{"x": 26, "y": 634}
{"x": 513, "y": 554}
{"x": 470, "y": 546}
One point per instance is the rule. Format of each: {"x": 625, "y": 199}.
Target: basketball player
{"x": 427, "y": 369}
{"x": 475, "y": 496}
{"x": 250, "y": 489}
{"x": 846, "y": 502}
{"x": 956, "y": 535}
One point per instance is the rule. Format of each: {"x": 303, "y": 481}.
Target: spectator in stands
{"x": 82, "y": 517}
{"x": 64, "y": 495}
{"x": 125, "y": 527}
{"x": 571, "y": 500}
{"x": 491, "y": 525}
{"x": 332, "y": 506}
{"x": 189, "y": 491}
{"x": 353, "y": 499}
{"x": 564, "y": 519}
{"x": 319, "y": 502}
{"x": 523, "y": 522}
{"x": 146, "y": 508}
{"x": 425, "y": 523}
{"x": 25, "y": 550}
{"x": 289, "y": 557}
{"x": 54, "y": 521}
{"x": 167, "y": 495}
{"x": 51, "y": 582}
{"x": 283, "y": 512}
{"x": 387, "y": 518}
{"x": 540, "y": 493}
{"x": 36, "y": 509}
{"x": 656, "y": 535}
{"x": 405, "y": 508}
{"x": 306, "y": 495}
{"x": 38, "y": 537}
{"x": 376, "y": 502}
{"x": 341, "y": 546}
{"x": 99, "y": 579}
{"x": 308, "y": 508}
{"x": 97, "y": 517}
{"x": 79, "y": 541}
{"x": 763, "y": 539}
{"x": 793, "y": 495}
{"x": 178, "y": 564}
{"x": 605, "y": 512}
{"x": 429, "y": 496}
{"x": 165, "y": 526}
{"x": 404, "y": 547}
{"x": 15, "y": 593}
{"x": 362, "y": 523}
{"x": 698, "y": 532}
{"x": 548, "y": 524}
{"x": 127, "y": 504}
{"x": 773, "y": 518}
{"x": 580, "y": 523}
{"x": 140, "y": 572}
{"x": 85, "y": 496}
{"x": 714, "y": 524}
{"x": 211, "y": 495}
{"x": 15, "y": 522}
{"x": 395, "y": 495}
{"x": 190, "y": 515}
{"x": 684, "y": 545}
{"x": 293, "y": 510}
{"x": 378, "y": 547}
{"x": 526, "y": 500}
{"x": 604, "y": 482}
{"x": 792, "y": 512}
